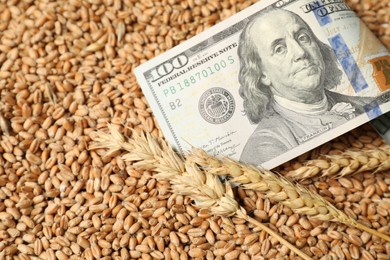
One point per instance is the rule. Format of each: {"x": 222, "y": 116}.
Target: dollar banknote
{"x": 269, "y": 83}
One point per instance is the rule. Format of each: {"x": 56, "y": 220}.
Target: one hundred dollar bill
{"x": 271, "y": 82}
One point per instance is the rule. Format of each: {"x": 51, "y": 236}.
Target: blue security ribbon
{"x": 373, "y": 110}
{"x": 348, "y": 63}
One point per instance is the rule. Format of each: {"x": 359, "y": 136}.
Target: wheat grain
{"x": 50, "y": 93}
{"x": 349, "y": 162}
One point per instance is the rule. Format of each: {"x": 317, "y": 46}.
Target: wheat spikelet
{"x": 277, "y": 188}
{"x": 206, "y": 189}
{"x": 185, "y": 177}
{"x": 347, "y": 163}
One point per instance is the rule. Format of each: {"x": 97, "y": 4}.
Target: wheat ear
{"x": 278, "y": 189}
{"x": 185, "y": 177}
{"x": 346, "y": 163}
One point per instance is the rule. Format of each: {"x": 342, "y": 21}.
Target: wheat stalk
{"x": 277, "y": 188}
{"x": 186, "y": 178}
{"x": 346, "y": 163}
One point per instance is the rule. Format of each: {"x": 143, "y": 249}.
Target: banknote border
{"x": 173, "y": 133}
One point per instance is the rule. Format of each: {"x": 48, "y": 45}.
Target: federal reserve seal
{"x": 216, "y": 105}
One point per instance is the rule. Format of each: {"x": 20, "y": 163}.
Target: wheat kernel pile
{"x": 66, "y": 71}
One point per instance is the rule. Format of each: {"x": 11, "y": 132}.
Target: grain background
{"x": 66, "y": 71}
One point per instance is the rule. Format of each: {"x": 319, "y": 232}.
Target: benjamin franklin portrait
{"x": 286, "y": 76}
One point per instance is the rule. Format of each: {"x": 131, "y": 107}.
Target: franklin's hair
{"x": 257, "y": 95}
